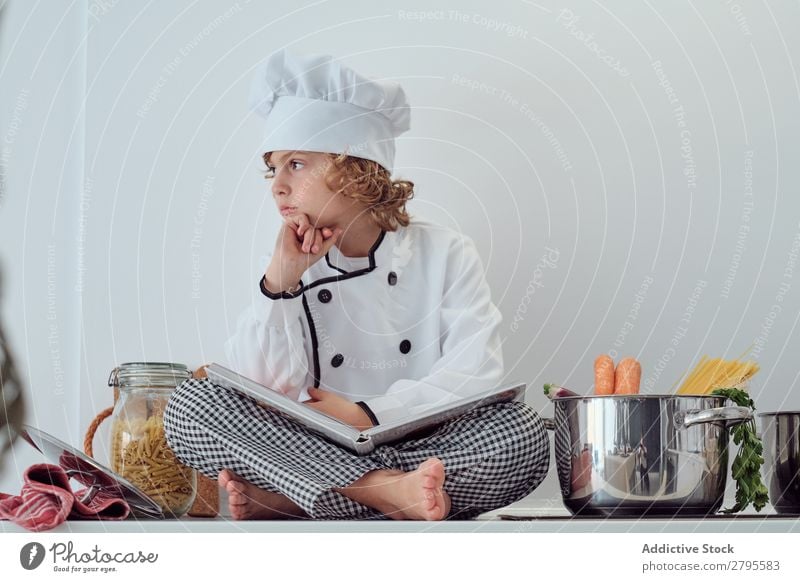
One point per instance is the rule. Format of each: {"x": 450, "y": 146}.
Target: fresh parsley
{"x": 746, "y": 468}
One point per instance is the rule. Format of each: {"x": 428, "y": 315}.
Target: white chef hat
{"x": 313, "y": 103}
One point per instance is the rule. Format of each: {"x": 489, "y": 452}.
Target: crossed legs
{"x": 273, "y": 468}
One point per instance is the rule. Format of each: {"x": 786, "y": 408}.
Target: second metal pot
{"x": 630, "y": 456}
{"x": 781, "y": 438}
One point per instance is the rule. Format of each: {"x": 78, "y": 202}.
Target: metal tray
{"x": 90, "y": 473}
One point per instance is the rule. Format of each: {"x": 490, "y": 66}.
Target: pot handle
{"x": 549, "y": 423}
{"x": 727, "y": 415}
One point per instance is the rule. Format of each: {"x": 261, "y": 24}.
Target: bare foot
{"x": 418, "y": 494}
{"x": 246, "y": 501}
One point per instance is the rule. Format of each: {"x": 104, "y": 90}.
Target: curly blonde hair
{"x": 369, "y": 183}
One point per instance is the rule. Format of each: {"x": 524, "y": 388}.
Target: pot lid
{"x": 90, "y": 473}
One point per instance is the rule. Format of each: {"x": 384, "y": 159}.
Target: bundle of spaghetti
{"x": 710, "y": 374}
{"x": 140, "y": 454}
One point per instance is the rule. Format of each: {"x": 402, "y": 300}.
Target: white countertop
{"x": 526, "y": 519}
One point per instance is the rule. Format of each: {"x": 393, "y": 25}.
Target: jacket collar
{"x": 339, "y": 263}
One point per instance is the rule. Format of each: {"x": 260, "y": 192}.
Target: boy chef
{"x": 364, "y": 313}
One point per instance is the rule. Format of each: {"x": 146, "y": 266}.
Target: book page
{"x": 436, "y": 416}
{"x": 305, "y": 415}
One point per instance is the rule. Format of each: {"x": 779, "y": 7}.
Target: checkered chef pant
{"x": 493, "y": 455}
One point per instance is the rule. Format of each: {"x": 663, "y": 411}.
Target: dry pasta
{"x": 140, "y": 454}
{"x": 710, "y": 374}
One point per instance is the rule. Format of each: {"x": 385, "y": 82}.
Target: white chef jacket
{"x": 409, "y": 327}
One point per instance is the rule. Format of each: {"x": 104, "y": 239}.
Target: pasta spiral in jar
{"x": 139, "y": 449}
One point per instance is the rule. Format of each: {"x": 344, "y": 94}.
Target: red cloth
{"x": 47, "y": 500}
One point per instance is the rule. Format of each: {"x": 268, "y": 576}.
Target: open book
{"x": 344, "y": 435}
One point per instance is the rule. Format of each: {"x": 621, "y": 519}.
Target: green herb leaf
{"x": 746, "y": 467}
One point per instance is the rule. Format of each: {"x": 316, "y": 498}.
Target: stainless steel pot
{"x": 630, "y": 456}
{"x": 780, "y": 434}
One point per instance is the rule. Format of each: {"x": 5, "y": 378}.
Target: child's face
{"x": 298, "y": 186}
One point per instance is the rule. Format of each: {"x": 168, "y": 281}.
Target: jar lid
{"x": 152, "y": 374}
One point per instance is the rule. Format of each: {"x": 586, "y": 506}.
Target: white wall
{"x": 42, "y": 76}
{"x": 648, "y": 149}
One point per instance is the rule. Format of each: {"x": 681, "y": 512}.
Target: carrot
{"x": 603, "y": 375}
{"x": 627, "y": 377}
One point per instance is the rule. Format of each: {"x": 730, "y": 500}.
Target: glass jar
{"x": 139, "y": 449}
